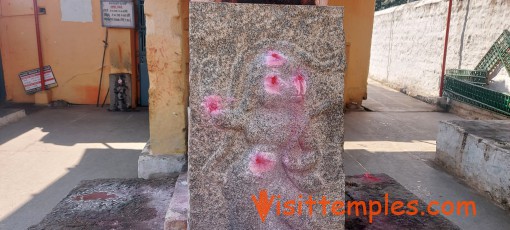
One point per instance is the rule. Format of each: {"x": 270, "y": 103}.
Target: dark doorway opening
{"x": 143, "y": 72}
{"x": 2, "y": 83}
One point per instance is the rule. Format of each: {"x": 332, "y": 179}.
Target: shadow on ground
{"x": 88, "y": 141}
{"x": 94, "y": 164}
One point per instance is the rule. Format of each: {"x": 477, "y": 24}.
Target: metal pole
{"x": 441, "y": 85}
{"x": 39, "y": 49}
{"x": 102, "y": 67}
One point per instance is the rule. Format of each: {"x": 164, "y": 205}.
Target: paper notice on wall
{"x": 76, "y": 10}
{"x": 117, "y": 13}
{"x": 31, "y": 79}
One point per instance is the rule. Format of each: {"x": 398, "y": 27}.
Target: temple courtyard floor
{"x": 44, "y": 155}
{"x": 398, "y": 138}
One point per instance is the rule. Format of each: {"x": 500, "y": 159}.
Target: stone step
{"x": 8, "y": 116}
{"x": 177, "y": 215}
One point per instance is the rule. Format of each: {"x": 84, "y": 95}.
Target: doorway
{"x": 143, "y": 71}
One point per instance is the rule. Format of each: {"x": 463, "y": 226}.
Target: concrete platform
{"x": 29, "y": 108}
{"x": 112, "y": 204}
{"x": 8, "y": 116}
{"x": 470, "y": 112}
{"x": 478, "y": 152}
{"x": 153, "y": 165}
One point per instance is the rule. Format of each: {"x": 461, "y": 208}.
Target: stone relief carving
{"x": 264, "y": 115}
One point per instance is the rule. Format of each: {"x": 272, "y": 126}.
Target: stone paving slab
{"x": 373, "y": 187}
{"x": 384, "y": 99}
{"x": 141, "y": 204}
{"x": 113, "y": 204}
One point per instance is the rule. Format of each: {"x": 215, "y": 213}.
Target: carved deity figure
{"x": 120, "y": 94}
{"x": 266, "y": 116}
{"x": 281, "y": 156}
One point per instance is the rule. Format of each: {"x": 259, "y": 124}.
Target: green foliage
{"x": 385, "y": 4}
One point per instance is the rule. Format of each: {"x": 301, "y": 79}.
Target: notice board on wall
{"x": 117, "y": 13}
{"x": 31, "y": 79}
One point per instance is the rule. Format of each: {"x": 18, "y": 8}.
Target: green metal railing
{"x": 497, "y": 55}
{"x": 477, "y": 95}
{"x": 478, "y": 77}
{"x": 468, "y": 85}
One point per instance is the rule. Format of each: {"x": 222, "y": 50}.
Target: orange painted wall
{"x": 358, "y": 24}
{"x": 73, "y": 49}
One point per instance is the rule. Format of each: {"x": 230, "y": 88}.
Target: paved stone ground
{"x": 113, "y": 204}
{"x": 384, "y": 99}
{"x": 142, "y": 204}
{"x": 402, "y": 144}
{"x": 46, "y": 154}
{"x": 28, "y": 107}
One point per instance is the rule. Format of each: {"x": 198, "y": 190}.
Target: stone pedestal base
{"x": 177, "y": 214}
{"x": 152, "y": 165}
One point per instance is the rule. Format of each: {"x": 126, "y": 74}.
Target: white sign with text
{"x": 117, "y": 13}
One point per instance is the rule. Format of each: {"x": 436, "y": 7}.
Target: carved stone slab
{"x": 266, "y": 85}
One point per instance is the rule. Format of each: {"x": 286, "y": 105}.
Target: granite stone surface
{"x": 266, "y": 116}
{"x": 112, "y": 204}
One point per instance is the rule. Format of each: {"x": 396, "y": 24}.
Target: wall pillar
{"x": 168, "y": 91}
{"x": 358, "y": 23}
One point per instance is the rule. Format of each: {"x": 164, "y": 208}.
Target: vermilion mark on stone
{"x": 300, "y": 84}
{"x": 274, "y": 80}
{"x": 261, "y": 162}
{"x": 213, "y": 104}
{"x": 95, "y": 196}
{"x": 275, "y": 59}
{"x": 272, "y": 84}
{"x": 371, "y": 177}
